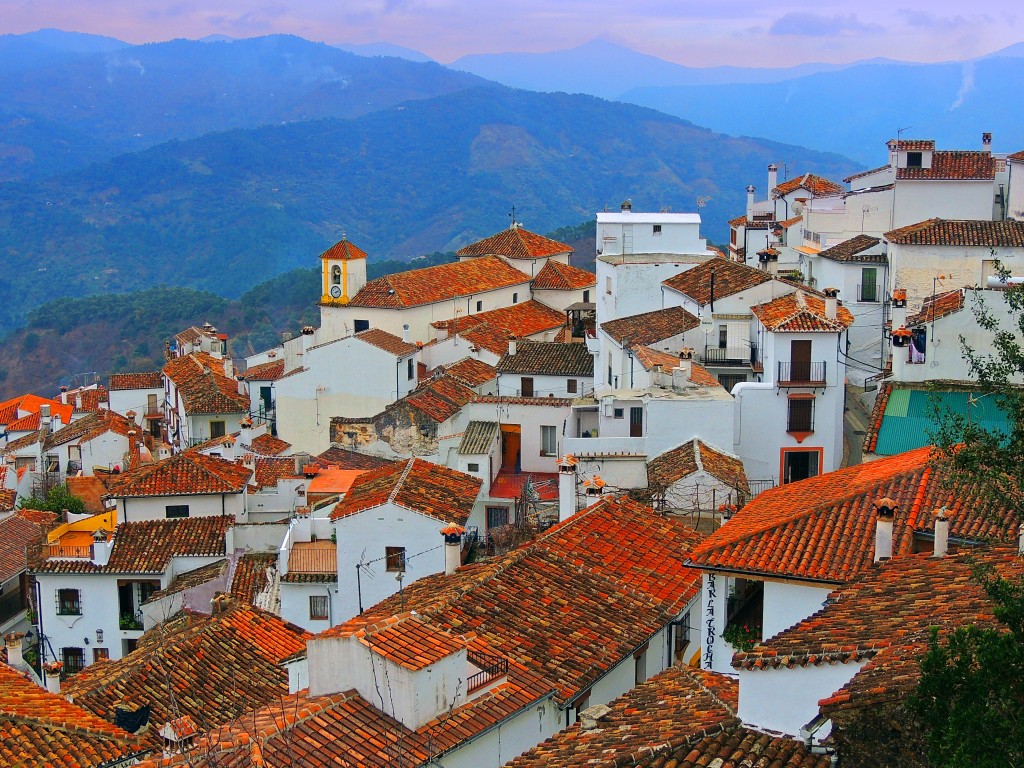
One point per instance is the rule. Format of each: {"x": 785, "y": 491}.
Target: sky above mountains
{"x": 762, "y": 33}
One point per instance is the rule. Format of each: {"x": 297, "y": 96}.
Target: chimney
{"x": 44, "y": 418}
{"x": 64, "y": 393}
{"x": 831, "y": 303}
{"x": 78, "y": 399}
{"x": 51, "y": 671}
{"x": 301, "y": 460}
{"x": 594, "y": 489}
{"x": 566, "y": 487}
{"x": 986, "y": 142}
{"x": 308, "y": 337}
{"x": 627, "y": 206}
{"x": 229, "y": 367}
{"x": 220, "y": 603}
{"x": 885, "y": 511}
{"x": 511, "y": 345}
{"x": 12, "y": 641}
{"x": 941, "y": 533}
{"x": 773, "y": 177}
{"x": 452, "y": 547}
{"x": 102, "y": 545}
{"x": 1020, "y": 539}
{"x": 750, "y": 202}
{"x": 405, "y": 333}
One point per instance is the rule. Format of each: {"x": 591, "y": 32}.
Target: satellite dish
{"x": 707, "y": 325}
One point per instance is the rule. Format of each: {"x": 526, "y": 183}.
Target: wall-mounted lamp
{"x": 99, "y": 635}
{"x": 86, "y": 639}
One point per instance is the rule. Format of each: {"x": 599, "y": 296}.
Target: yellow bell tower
{"x": 343, "y": 273}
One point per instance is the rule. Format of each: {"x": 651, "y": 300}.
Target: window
{"x": 52, "y": 463}
{"x": 656, "y": 230}
{"x": 618, "y": 413}
{"x": 479, "y": 306}
{"x": 515, "y": 298}
{"x": 571, "y": 386}
{"x": 100, "y": 654}
{"x": 640, "y": 665}
{"x": 526, "y": 386}
{"x": 586, "y": 297}
{"x": 800, "y": 464}
{"x": 395, "y": 558}
{"x": 723, "y": 336}
{"x": 175, "y": 511}
{"x": 608, "y": 285}
{"x": 801, "y": 414}
{"x": 318, "y": 607}
{"x": 335, "y": 275}
{"x": 74, "y": 660}
{"x": 915, "y": 159}
{"x": 730, "y": 380}
{"x": 410, "y": 368}
{"x": 473, "y": 467}
{"x": 548, "y": 441}
{"x": 151, "y": 404}
{"x": 69, "y": 602}
{"x": 218, "y": 429}
{"x": 497, "y": 517}
{"x": 732, "y": 237}
{"x": 868, "y": 284}
{"x": 609, "y": 369}
{"x": 358, "y": 326}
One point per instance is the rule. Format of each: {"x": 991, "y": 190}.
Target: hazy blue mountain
{"x": 856, "y": 110}
{"x": 230, "y": 209}
{"x": 384, "y": 49}
{"x": 607, "y": 70}
{"x": 75, "y": 42}
{"x": 136, "y": 97}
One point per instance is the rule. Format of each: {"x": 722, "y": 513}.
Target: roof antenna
{"x": 512, "y": 216}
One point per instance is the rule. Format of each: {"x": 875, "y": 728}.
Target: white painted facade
{"x": 143, "y": 401}
{"x": 788, "y": 603}
{"x": 1015, "y": 189}
{"x": 530, "y": 418}
{"x": 136, "y": 509}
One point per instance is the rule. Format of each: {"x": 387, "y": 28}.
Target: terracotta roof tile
{"x": 550, "y": 402}
{"x": 191, "y": 579}
{"x": 147, "y": 547}
{"x": 270, "y": 469}
{"x": 649, "y": 357}
{"x": 695, "y": 456}
{"x": 272, "y": 370}
{"x": 478, "y": 438}
{"x": 13, "y": 409}
{"x": 343, "y": 458}
{"x": 548, "y": 358}
{"x": 556, "y": 276}
{"x": 731, "y": 277}
{"x": 252, "y": 575}
{"x": 515, "y": 243}
{"x": 876, "y": 417}
{"x": 407, "y": 639}
{"x": 524, "y": 319}
{"x": 268, "y": 445}
{"x": 185, "y": 473}
{"x": 439, "y": 398}
{"x": 471, "y": 371}
{"x": 218, "y": 666}
{"x": 911, "y": 145}
{"x": 823, "y": 528}
{"x": 203, "y": 385}
{"x": 17, "y": 531}
{"x": 816, "y": 185}
{"x": 937, "y": 306}
{"x": 852, "y": 250}
{"x": 651, "y": 327}
{"x": 801, "y": 312}
{"x": 89, "y": 427}
{"x": 417, "y": 485}
{"x": 959, "y": 165}
{"x": 39, "y": 728}
{"x": 443, "y": 282}
{"x": 992, "y": 234}
{"x": 1016, "y": 156}
{"x": 345, "y": 250}
{"x": 387, "y": 341}
{"x": 313, "y": 557}
{"x": 147, "y": 380}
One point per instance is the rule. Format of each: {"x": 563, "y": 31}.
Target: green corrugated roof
{"x": 911, "y": 416}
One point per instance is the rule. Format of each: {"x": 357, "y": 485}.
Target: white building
{"x": 202, "y": 399}
{"x": 142, "y": 394}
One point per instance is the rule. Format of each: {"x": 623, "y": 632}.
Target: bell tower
{"x": 343, "y": 273}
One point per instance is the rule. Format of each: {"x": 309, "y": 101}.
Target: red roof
{"x": 416, "y": 485}
{"x": 556, "y": 276}
{"x": 816, "y": 185}
{"x": 13, "y": 409}
{"x": 17, "y": 532}
{"x": 731, "y": 277}
{"x": 147, "y": 380}
{"x": 268, "y": 445}
{"x": 272, "y": 370}
{"x": 823, "y": 528}
{"x": 387, "y": 341}
{"x": 185, "y": 473}
{"x": 406, "y": 639}
{"x": 89, "y": 427}
{"x": 443, "y": 282}
{"x": 515, "y": 243}
{"x": 524, "y": 319}
{"x": 650, "y": 327}
{"x": 992, "y": 234}
{"x": 937, "y": 306}
{"x": 203, "y": 386}
{"x": 696, "y": 456}
{"x": 345, "y": 250}
{"x": 959, "y": 165}
{"x": 472, "y": 371}
{"x": 801, "y": 312}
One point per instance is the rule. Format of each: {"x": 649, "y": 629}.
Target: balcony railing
{"x": 870, "y": 293}
{"x": 801, "y": 374}
{"x": 738, "y": 355}
{"x": 490, "y": 669}
{"x": 78, "y": 551}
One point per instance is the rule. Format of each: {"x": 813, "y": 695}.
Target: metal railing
{"x": 738, "y": 355}
{"x": 78, "y": 551}
{"x": 490, "y": 669}
{"x": 870, "y": 293}
{"x": 801, "y": 373}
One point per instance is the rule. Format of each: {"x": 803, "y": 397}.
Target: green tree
{"x": 57, "y": 499}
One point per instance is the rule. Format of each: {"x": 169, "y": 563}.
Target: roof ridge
{"x": 397, "y": 487}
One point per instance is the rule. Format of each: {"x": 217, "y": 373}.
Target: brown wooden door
{"x": 800, "y": 360}
{"x": 636, "y": 422}
{"x": 526, "y": 386}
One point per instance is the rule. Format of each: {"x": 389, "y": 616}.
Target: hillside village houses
{"x": 474, "y": 482}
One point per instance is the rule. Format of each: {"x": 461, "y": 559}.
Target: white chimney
{"x": 511, "y": 345}
{"x": 229, "y": 367}
{"x": 773, "y": 177}
{"x": 594, "y": 489}
{"x": 941, "y": 533}
{"x": 986, "y": 142}
{"x": 44, "y": 418}
{"x": 308, "y": 337}
{"x": 1020, "y": 539}
{"x": 750, "y": 202}
{"x": 566, "y": 487}
{"x": 52, "y": 679}
{"x": 56, "y": 423}
{"x": 452, "y": 547}
{"x": 885, "y": 511}
{"x": 101, "y": 548}
{"x": 405, "y": 333}
{"x": 831, "y": 303}
{"x": 12, "y": 641}
{"x": 64, "y": 393}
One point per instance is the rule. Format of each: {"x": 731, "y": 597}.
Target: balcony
{"x": 869, "y": 293}
{"x": 69, "y": 551}
{"x": 605, "y": 446}
{"x": 801, "y": 374}
{"x": 490, "y": 670}
{"x": 745, "y": 354}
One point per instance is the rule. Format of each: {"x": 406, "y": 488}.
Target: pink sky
{"x": 767, "y": 33}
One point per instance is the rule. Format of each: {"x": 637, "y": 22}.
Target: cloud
{"x": 258, "y": 21}
{"x": 926, "y": 20}
{"x": 815, "y": 25}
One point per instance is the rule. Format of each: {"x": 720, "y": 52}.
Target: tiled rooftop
{"x": 147, "y": 380}
{"x": 823, "y": 528}
{"x": 731, "y": 277}
{"x": 272, "y": 370}
{"x": 515, "y": 243}
{"x": 695, "y": 456}
{"x": 478, "y": 438}
{"x": 343, "y": 458}
{"x": 523, "y": 319}
{"x": 388, "y": 342}
{"x": 251, "y": 575}
{"x": 185, "y": 473}
{"x": 203, "y": 385}
{"x": 13, "y": 409}
{"x": 549, "y": 402}
{"x": 938, "y": 306}
{"x": 853, "y": 250}
{"x": 443, "y": 282}
{"x": 439, "y": 398}
{"x": 88, "y": 427}
{"x": 417, "y": 485}
{"x": 406, "y": 639}
{"x": 548, "y": 358}
{"x": 471, "y": 371}
{"x": 270, "y": 469}
{"x": 268, "y": 445}
{"x": 17, "y": 531}
{"x": 801, "y": 312}
{"x": 992, "y": 234}
{"x": 218, "y": 666}
{"x": 816, "y": 185}
{"x": 650, "y": 327}
{"x": 313, "y": 557}
{"x": 954, "y": 165}
{"x": 556, "y": 276}
{"x": 345, "y": 250}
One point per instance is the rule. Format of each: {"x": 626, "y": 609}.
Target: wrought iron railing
{"x": 802, "y": 373}
{"x": 739, "y": 355}
{"x": 490, "y": 669}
